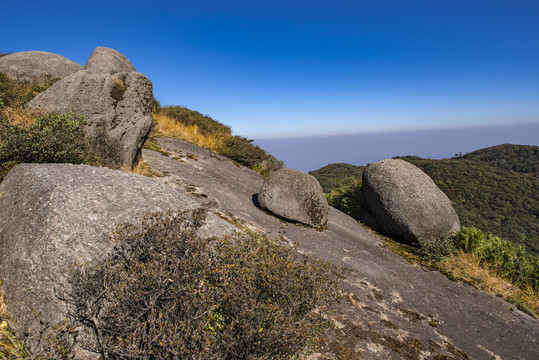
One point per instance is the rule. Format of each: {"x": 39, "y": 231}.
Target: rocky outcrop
{"x": 37, "y": 65}
{"x": 54, "y": 215}
{"x": 406, "y": 202}
{"x": 117, "y": 105}
{"x": 109, "y": 61}
{"x": 295, "y": 196}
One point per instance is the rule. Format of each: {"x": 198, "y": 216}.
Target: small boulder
{"x": 55, "y": 215}
{"x": 295, "y": 196}
{"x": 406, "y": 203}
{"x": 108, "y": 60}
{"x": 117, "y": 107}
{"x": 37, "y": 65}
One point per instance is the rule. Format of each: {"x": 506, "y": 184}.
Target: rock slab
{"x": 37, "y": 65}
{"x": 117, "y": 105}
{"x": 54, "y": 215}
{"x": 295, "y": 196}
{"x": 406, "y": 202}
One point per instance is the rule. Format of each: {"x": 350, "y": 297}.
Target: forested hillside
{"x": 485, "y": 190}
{"x": 519, "y": 158}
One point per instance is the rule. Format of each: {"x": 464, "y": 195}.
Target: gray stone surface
{"x": 37, "y": 65}
{"x": 392, "y": 309}
{"x": 296, "y": 196}
{"x": 117, "y": 108}
{"x": 406, "y": 202}
{"x": 53, "y": 215}
{"x": 109, "y": 61}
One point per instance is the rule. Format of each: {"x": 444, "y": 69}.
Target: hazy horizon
{"x": 312, "y": 153}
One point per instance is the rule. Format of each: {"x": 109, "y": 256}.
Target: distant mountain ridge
{"x": 518, "y": 158}
{"x": 495, "y": 189}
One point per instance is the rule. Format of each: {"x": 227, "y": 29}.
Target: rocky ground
{"x": 392, "y": 309}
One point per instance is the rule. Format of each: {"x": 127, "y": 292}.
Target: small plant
{"x": 118, "y": 89}
{"x": 164, "y": 292}
{"x": 437, "y": 249}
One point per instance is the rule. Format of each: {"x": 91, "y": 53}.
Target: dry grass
{"x": 10, "y": 346}
{"x": 142, "y": 168}
{"x": 468, "y": 268}
{"x": 19, "y": 115}
{"x": 168, "y": 127}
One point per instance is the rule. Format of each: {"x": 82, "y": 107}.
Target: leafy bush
{"x": 510, "y": 261}
{"x": 164, "y": 292}
{"x": 242, "y": 150}
{"x": 51, "y": 139}
{"x": 437, "y": 249}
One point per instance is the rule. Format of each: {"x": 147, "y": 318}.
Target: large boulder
{"x": 406, "y": 202}
{"x": 108, "y": 60}
{"x": 37, "y": 65}
{"x": 117, "y": 106}
{"x": 55, "y": 215}
{"x": 295, "y": 196}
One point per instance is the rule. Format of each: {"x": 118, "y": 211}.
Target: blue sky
{"x": 272, "y": 69}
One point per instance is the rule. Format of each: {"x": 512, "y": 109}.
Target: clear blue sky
{"x": 297, "y": 68}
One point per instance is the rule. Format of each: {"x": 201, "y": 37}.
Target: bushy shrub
{"x": 349, "y": 199}
{"x": 165, "y": 293}
{"x": 510, "y": 261}
{"x": 244, "y": 152}
{"x": 50, "y": 139}
{"x": 437, "y": 249}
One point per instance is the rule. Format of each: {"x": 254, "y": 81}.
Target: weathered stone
{"x": 109, "y": 61}
{"x": 295, "y": 196}
{"x": 54, "y": 215}
{"x": 117, "y": 109}
{"x": 406, "y": 202}
{"x": 37, "y": 65}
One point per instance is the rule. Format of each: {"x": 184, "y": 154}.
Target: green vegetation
{"x": 338, "y": 175}
{"x": 164, "y": 292}
{"x": 510, "y": 262}
{"x": 16, "y": 93}
{"x": 205, "y": 124}
{"x": 484, "y": 196}
{"x": 182, "y": 123}
{"x": 49, "y": 139}
{"x": 519, "y": 158}
{"x": 500, "y": 201}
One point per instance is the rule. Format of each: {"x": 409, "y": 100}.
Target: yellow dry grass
{"x": 167, "y": 126}
{"x": 19, "y": 115}
{"x": 142, "y": 168}
{"x": 468, "y": 267}
{"x": 10, "y": 346}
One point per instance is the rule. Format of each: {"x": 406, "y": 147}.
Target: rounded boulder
{"x": 109, "y": 61}
{"x": 406, "y": 203}
{"x": 295, "y": 196}
{"x": 36, "y": 65}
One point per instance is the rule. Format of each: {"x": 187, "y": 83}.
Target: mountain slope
{"x": 483, "y": 191}
{"x": 519, "y": 158}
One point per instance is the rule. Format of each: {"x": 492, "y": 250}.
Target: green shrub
{"x": 510, "y": 261}
{"x": 50, "y": 139}
{"x": 437, "y": 249}
{"x": 165, "y": 293}
{"x": 244, "y": 152}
